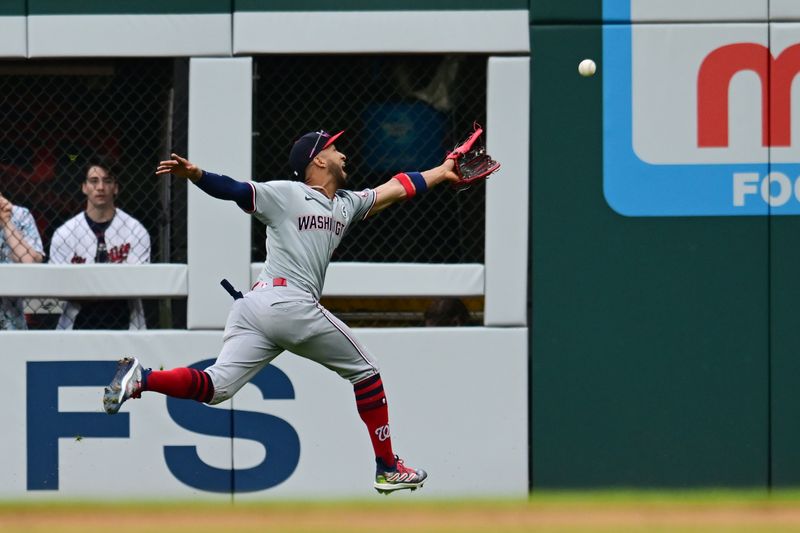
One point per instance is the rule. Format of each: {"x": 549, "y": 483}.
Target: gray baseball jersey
{"x": 304, "y": 227}
{"x": 283, "y": 312}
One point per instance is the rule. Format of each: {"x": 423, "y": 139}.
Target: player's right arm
{"x": 216, "y": 185}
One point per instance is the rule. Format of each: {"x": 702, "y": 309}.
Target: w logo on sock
{"x": 383, "y": 433}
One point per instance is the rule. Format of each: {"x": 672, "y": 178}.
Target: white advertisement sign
{"x": 700, "y": 119}
{"x": 458, "y": 406}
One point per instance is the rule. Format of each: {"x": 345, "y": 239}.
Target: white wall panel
{"x": 13, "y": 36}
{"x": 784, "y": 10}
{"x": 129, "y": 35}
{"x": 784, "y": 40}
{"x": 667, "y": 61}
{"x": 380, "y": 31}
{"x": 507, "y": 203}
{"x": 85, "y": 463}
{"x": 220, "y": 115}
{"x": 93, "y": 280}
{"x": 398, "y": 279}
{"x": 436, "y": 380}
{"x": 705, "y": 10}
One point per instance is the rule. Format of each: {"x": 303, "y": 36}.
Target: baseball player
{"x": 103, "y": 233}
{"x": 306, "y": 220}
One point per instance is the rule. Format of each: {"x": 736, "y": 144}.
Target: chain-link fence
{"x": 400, "y": 113}
{"x": 80, "y": 137}
{"x": 79, "y": 142}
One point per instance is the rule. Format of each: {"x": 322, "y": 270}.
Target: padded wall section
{"x": 277, "y": 437}
{"x": 507, "y": 192}
{"x": 13, "y": 29}
{"x": 93, "y": 280}
{"x": 784, "y": 258}
{"x": 129, "y": 28}
{"x": 220, "y": 113}
{"x": 377, "y": 31}
{"x": 371, "y": 5}
{"x": 784, "y": 10}
{"x": 650, "y": 335}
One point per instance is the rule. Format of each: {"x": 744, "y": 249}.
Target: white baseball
{"x": 587, "y": 67}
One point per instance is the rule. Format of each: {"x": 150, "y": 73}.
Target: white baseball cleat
{"x": 127, "y": 383}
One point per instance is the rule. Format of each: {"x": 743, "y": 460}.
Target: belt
{"x": 276, "y": 282}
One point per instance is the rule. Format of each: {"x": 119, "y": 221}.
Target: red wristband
{"x": 405, "y": 181}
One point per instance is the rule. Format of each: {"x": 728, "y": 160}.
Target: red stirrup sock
{"x": 371, "y": 404}
{"x": 180, "y": 383}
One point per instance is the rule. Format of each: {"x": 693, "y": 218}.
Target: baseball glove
{"x": 472, "y": 161}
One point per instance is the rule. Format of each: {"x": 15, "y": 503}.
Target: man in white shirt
{"x": 103, "y": 233}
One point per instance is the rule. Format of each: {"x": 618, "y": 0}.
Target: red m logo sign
{"x": 776, "y": 76}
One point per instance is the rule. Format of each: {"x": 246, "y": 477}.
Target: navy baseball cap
{"x": 307, "y": 147}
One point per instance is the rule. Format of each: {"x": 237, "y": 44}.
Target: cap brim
{"x": 332, "y": 139}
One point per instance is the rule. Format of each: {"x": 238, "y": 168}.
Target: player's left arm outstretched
{"x": 466, "y": 164}
{"x": 406, "y": 185}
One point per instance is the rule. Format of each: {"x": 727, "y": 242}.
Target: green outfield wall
{"x": 664, "y": 295}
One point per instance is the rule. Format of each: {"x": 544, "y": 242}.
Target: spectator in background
{"x": 19, "y": 243}
{"x": 447, "y": 312}
{"x": 103, "y": 233}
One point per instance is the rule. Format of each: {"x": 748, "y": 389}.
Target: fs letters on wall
{"x": 293, "y": 431}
